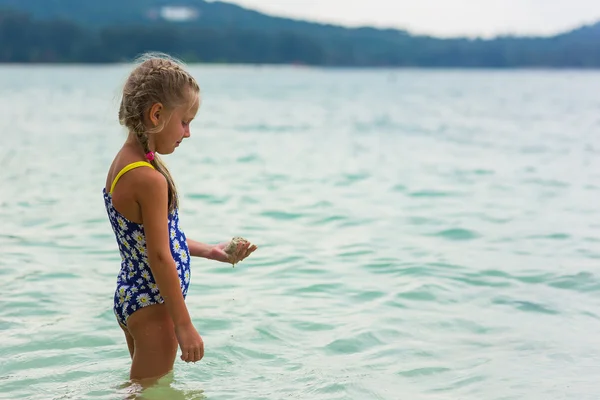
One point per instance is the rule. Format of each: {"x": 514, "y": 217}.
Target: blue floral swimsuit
{"x": 136, "y": 287}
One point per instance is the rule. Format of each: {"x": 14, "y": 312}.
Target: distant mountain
{"x": 197, "y": 30}
{"x": 197, "y": 13}
{"x": 587, "y": 32}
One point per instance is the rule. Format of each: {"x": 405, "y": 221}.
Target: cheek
{"x": 176, "y": 130}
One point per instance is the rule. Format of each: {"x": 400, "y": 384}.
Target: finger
{"x": 185, "y": 355}
{"x": 197, "y": 356}
{"x": 251, "y": 250}
{"x": 241, "y": 253}
{"x": 240, "y": 246}
{"x": 245, "y": 249}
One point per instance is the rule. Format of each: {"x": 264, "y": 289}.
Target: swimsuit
{"x": 136, "y": 287}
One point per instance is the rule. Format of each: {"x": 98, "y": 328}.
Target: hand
{"x": 244, "y": 249}
{"x": 190, "y": 343}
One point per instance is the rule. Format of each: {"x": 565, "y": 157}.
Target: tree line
{"x": 25, "y": 40}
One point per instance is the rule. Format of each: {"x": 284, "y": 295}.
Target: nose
{"x": 186, "y": 133}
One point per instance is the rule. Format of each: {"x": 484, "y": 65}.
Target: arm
{"x": 151, "y": 195}
{"x": 217, "y": 252}
{"x": 199, "y": 249}
{"x": 153, "y": 201}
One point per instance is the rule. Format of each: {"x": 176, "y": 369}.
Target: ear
{"x": 155, "y": 113}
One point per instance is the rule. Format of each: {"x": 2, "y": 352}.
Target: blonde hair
{"x": 158, "y": 78}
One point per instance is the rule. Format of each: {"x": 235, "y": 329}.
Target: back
{"x": 121, "y": 182}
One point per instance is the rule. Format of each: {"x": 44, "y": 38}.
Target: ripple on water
{"x": 322, "y": 289}
{"x": 488, "y": 278}
{"x": 421, "y": 293}
{"x": 547, "y": 183}
{"x": 434, "y": 194}
{"x": 582, "y": 282}
{"x": 350, "y": 179}
{"x": 383, "y": 266}
{"x": 209, "y": 198}
{"x": 249, "y": 159}
{"x": 423, "y": 372}
{"x": 457, "y": 234}
{"x": 310, "y": 326}
{"x": 526, "y": 306}
{"x": 552, "y": 236}
{"x": 329, "y": 220}
{"x": 366, "y": 296}
{"x": 427, "y": 221}
{"x": 282, "y": 215}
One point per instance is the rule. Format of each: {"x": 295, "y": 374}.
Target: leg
{"x": 155, "y": 343}
{"x": 130, "y": 342}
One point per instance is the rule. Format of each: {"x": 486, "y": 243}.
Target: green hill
{"x": 151, "y": 12}
{"x": 196, "y": 30}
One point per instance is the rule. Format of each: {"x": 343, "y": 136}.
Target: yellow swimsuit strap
{"x": 128, "y": 168}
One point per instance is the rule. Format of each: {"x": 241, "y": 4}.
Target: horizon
{"x": 488, "y": 18}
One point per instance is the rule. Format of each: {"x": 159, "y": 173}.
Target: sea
{"x": 422, "y": 234}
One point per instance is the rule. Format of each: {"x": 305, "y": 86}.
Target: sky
{"x": 447, "y": 18}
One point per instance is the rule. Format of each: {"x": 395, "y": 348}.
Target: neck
{"x": 134, "y": 143}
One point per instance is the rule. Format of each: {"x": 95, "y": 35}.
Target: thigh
{"x": 154, "y": 340}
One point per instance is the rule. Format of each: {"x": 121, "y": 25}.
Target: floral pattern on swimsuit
{"x": 136, "y": 287}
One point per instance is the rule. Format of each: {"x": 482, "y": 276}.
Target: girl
{"x": 159, "y": 101}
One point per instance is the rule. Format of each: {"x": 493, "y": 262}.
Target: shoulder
{"x": 150, "y": 183}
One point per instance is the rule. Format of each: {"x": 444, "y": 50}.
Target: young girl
{"x": 159, "y": 101}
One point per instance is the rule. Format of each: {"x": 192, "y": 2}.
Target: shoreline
{"x": 549, "y": 68}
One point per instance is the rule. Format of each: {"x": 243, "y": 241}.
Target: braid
{"x": 143, "y": 139}
{"x": 158, "y": 79}
{"x": 157, "y": 163}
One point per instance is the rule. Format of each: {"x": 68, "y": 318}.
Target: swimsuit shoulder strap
{"x": 128, "y": 168}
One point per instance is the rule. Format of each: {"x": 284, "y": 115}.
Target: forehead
{"x": 190, "y": 109}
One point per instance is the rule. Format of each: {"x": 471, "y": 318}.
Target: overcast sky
{"x": 442, "y": 17}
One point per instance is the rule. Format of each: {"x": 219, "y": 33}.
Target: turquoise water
{"x": 423, "y": 234}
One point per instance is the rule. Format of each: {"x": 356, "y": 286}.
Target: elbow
{"x": 160, "y": 257}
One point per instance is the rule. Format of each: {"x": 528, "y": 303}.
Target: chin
{"x": 166, "y": 152}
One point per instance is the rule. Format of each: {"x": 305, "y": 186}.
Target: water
{"x": 423, "y": 234}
